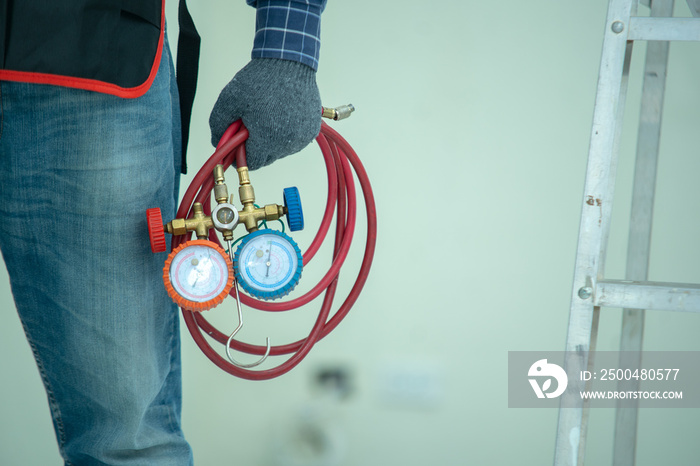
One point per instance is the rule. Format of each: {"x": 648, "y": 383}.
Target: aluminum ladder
{"x": 591, "y": 290}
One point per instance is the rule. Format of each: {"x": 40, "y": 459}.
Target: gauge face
{"x": 268, "y": 264}
{"x": 198, "y": 274}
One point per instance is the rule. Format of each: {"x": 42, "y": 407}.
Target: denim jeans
{"x": 78, "y": 170}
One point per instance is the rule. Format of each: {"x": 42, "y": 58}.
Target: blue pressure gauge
{"x": 268, "y": 264}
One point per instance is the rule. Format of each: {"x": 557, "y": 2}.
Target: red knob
{"x": 155, "y": 230}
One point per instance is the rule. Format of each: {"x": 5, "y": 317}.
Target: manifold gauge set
{"x": 262, "y": 267}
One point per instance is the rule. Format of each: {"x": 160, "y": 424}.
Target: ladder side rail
{"x": 640, "y": 230}
{"x": 594, "y": 228}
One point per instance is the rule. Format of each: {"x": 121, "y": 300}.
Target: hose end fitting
{"x": 338, "y": 113}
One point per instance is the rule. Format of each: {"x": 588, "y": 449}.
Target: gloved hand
{"x": 279, "y": 103}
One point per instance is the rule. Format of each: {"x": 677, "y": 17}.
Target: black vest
{"x": 110, "y": 46}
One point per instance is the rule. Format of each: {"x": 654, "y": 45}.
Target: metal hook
{"x": 240, "y": 325}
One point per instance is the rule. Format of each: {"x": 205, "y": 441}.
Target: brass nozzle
{"x": 338, "y": 113}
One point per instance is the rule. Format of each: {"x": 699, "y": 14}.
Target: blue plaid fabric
{"x": 290, "y": 30}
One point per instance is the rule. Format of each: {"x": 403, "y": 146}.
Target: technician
{"x": 90, "y": 138}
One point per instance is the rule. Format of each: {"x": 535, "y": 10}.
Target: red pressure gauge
{"x": 198, "y": 275}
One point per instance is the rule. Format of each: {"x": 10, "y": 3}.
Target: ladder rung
{"x": 650, "y": 28}
{"x": 661, "y": 296}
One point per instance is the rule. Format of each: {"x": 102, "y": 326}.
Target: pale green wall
{"x": 473, "y": 120}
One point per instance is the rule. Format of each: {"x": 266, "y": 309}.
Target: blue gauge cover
{"x": 271, "y": 291}
{"x": 292, "y": 201}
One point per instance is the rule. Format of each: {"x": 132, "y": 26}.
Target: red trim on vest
{"x": 93, "y": 84}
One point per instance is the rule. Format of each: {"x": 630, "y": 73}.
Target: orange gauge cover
{"x": 198, "y": 275}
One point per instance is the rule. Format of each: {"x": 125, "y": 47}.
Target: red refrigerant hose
{"x": 341, "y": 160}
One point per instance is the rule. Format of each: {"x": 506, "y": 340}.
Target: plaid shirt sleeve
{"x": 290, "y": 30}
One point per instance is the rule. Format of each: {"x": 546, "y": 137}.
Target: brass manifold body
{"x": 225, "y": 217}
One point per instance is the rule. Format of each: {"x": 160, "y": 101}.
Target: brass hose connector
{"x": 220, "y": 189}
{"x": 224, "y": 216}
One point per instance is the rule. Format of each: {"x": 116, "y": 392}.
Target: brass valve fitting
{"x": 199, "y": 223}
{"x": 227, "y": 217}
{"x": 250, "y": 215}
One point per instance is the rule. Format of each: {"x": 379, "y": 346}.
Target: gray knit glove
{"x": 279, "y": 103}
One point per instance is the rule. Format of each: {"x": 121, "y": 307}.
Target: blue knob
{"x": 295, "y": 216}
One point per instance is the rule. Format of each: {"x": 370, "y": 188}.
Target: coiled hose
{"x": 341, "y": 160}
